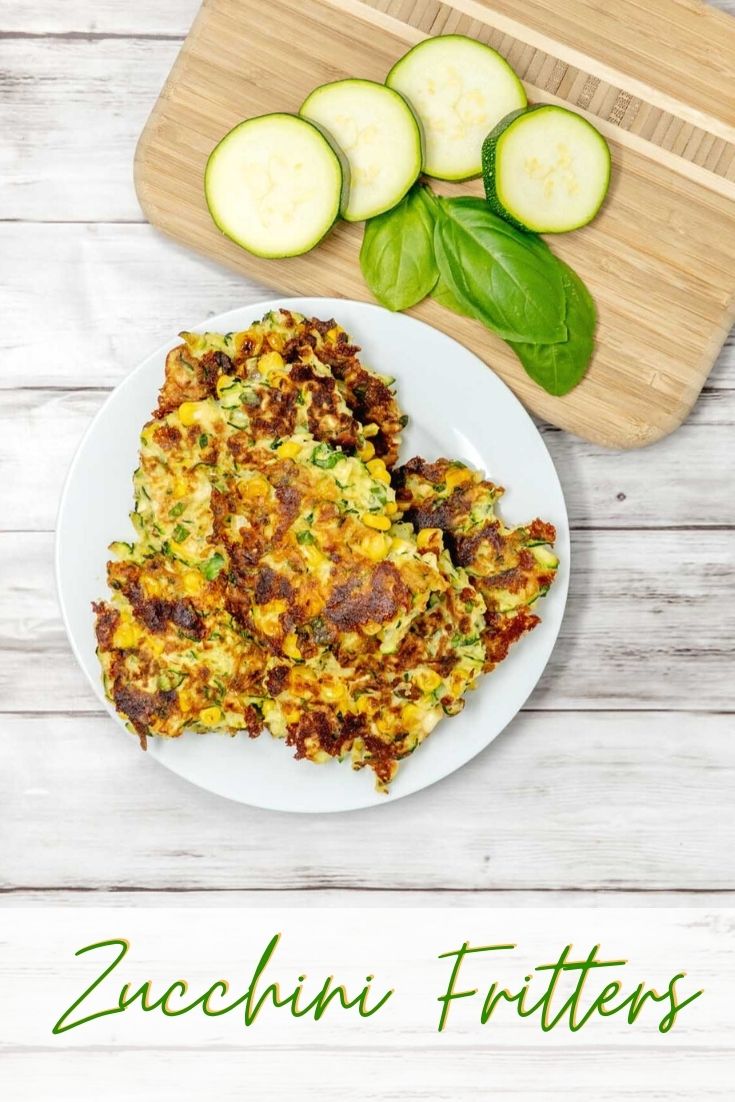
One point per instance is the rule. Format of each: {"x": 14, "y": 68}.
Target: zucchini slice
{"x": 376, "y": 131}
{"x": 459, "y": 89}
{"x": 546, "y": 169}
{"x": 274, "y": 185}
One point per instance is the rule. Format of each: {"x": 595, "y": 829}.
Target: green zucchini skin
{"x": 233, "y": 223}
{"x": 489, "y": 156}
{"x": 492, "y": 152}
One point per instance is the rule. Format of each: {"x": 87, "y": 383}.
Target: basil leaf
{"x": 397, "y": 254}
{"x": 559, "y": 367}
{"x": 508, "y": 279}
{"x": 444, "y": 297}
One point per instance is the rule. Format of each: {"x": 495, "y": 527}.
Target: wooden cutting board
{"x": 657, "y": 77}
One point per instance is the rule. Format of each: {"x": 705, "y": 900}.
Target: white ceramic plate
{"x": 457, "y": 408}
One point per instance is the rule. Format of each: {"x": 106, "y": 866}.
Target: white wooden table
{"x": 617, "y": 782}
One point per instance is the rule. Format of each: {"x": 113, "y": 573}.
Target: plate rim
{"x": 372, "y": 799}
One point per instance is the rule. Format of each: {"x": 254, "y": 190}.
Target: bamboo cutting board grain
{"x": 656, "y": 76}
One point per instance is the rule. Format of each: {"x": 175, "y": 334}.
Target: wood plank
{"x": 137, "y": 290}
{"x": 699, "y": 41}
{"x": 605, "y": 802}
{"x": 646, "y": 626}
{"x": 661, "y": 1073}
{"x": 77, "y": 104}
{"x": 663, "y": 487}
{"x": 134, "y": 290}
{"x": 166, "y": 17}
{"x": 368, "y": 898}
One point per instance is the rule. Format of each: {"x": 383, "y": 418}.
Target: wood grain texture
{"x": 665, "y": 227}
{"x": 517, "y": 818}
{"x": 131, "y": 290}
{"x": 645, "y": 627}
{"x": 173, "y": 18}
{"x": 367, "y": 898}
{"x": 169, "y": 18}
{"x": 323, "y": 1074}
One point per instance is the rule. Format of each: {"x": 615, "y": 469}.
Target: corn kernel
{"x": 288, "y": 450}
{"x": 291, "y": 646}
{"x": 370, "y": 430}
{"x": 371, "y": 628}
{"x": 270, "y": 710}
{"x": 375, "y": 546}
{"x": 367, "y": 451}
{"x": 254, "y": 487}
{"x": 378, "y": 471}
{"x": 457, "y": 476}
{"x": 429, "y": 539}
{"x": 278, "y": 379}
{"x": 292, "y": 713}
{"x": 410, "y": 714}
{"x": 125, "y": 636}
{"x": 189, "y": 412}
{"x": 180, "y": 488}
{"x": 223, "y": 383}
{"x": 331, "y": 693}
{"x": 333, "y": 333}
{"x": 271, "y": 361}
{"x": 275, "y": 339}
{"x": 428, "y": 680}
{"x": 186, "y": 701}
{"x": 267, "y": 617}
{"x": 193, "y": 582}
{"x": 210, "y": 716}
{"x": 156, "y": 645}
{"x": 364, "y": 705}
{"x": 376, "y": 521}
{"x": 391, "y": 508}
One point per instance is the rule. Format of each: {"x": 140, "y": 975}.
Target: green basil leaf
{"x": 444, "y": 297}
{"x": 397, "y": 254}
{"x": 559, "y": 367}
{"x": 508, "y": 279}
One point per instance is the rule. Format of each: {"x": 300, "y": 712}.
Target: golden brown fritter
{"x": 282, "y": 575}
{"x": 292, "y": 373}
{"x": 510, "y": 567}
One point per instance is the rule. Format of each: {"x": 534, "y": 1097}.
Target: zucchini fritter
{"x": 172, "y": 658}
{"x": 288, "y": 374}
{"x": 510, "y": 567}
{"x": 283, "y": 577}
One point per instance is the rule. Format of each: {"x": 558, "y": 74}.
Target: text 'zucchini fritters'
{"x": 284, "y": 576}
